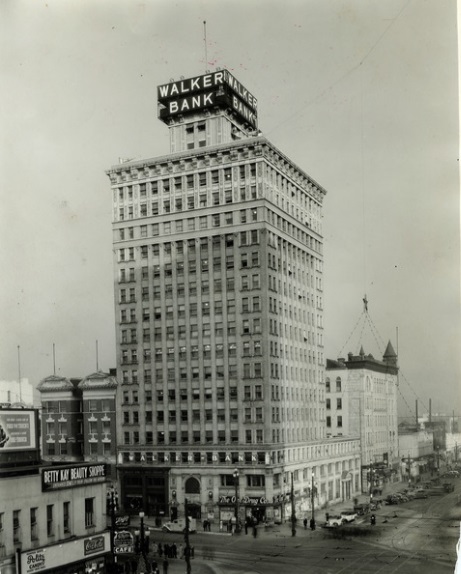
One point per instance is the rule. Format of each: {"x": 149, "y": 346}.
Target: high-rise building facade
{"x": 219, "y": 316}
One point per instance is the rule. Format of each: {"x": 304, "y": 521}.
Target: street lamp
{"x": 143, "y": 534}
{"x": 112, "y": 506}
{"x": 312, "y": 524}
{"x": 187, "y": 550}
{"x": 293, "y": 511}
{"x": 236, "y": 475}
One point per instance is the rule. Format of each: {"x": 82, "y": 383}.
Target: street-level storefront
{"x": 255, "y": 508}
{"x": 144, "y": 489}
{"x": 78, "y": 556}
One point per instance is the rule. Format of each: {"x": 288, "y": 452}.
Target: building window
{"x": 89, "y": 512}
{"x": 256, "y": 480}
{"x": 338, "y": 384}
{"x": 33, "y": 524}
{"x": 339, "y": 404}
{"x": 329, "y": 422}
{"x": 340, "y": 422}
{"x": 327, "y": 385}
{"x": 49, "y": 520}
{"x": 328, "y": 404}
{"x": 16, "y": 527}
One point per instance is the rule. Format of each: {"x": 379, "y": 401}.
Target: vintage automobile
{"x": 349, "y": 515}
{"x": 179, "y": 525}
{"x": 335, "y": 521}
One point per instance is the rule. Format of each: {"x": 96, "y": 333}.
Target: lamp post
{"x": 371, "y": 482}
{"x": 293, "y": 511}
{"x": 186, "y": 539}
{"x": 143, "y": 534}
{"x": 236, "y": 475}
{"x": 312, "y": 525}
{"x": 112, "y": 505}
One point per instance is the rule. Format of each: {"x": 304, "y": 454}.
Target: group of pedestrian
{"x": 206, "y": 526}
{"x": 169, "y": 550}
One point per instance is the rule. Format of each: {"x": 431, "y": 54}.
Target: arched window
{"x": 192, "y": 486}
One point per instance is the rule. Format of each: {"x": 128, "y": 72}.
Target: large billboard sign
{"x": 54, "y": 478}
{"x": 217, "y": 89}
{"x": 17, "y": 430}
{"x": 59, "y": 555}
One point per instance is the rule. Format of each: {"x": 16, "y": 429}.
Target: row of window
{"x": 190, "y": 181}
{"x": 252, "y": 436}
{"x": 50, "y": 516}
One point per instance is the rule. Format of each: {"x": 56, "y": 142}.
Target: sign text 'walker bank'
{"x": 218, "y": 89}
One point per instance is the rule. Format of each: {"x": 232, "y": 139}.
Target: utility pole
{"x": 371, "y": 482}
{"x": 312, "y": 525}
{"x": 293, "y": 511}
{"x": 236, "y": 475}
{"x": 186, "y": 539}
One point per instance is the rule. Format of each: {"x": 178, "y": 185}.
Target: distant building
{"x": 17, "y": 392}
{"x": 79, "y": 418}
{"x": 218, "y": 256}
{"x": 361, "y": 401}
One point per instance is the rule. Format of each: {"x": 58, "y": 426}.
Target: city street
{"x": 415, "y": 537}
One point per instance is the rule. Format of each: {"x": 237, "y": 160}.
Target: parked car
{"x": 349, "y": 515}
{"x": 335, "y": 521}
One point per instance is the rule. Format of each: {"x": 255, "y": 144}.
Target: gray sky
{"x": 361, "y": 95}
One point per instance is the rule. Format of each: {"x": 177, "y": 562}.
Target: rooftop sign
{"x": 216, "y": 89}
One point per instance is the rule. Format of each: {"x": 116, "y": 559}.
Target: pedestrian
{"x": 327, "y": 516}
{"x": 160, "y": 549}
{"x": 165, "y": 566}
{"x": 174, "y": 550}
{"x": 246, "y": 525}
{"x": 312, "y": 524}
{"x": 166, "y": 550}
{"x": 305, "y": 523}
{"x": 373, "y": 519}
{"x": 255, "y": 531}
{"x": 204, "y": 526}
{"x": 154, "y": 565}
{"x": 180, "y": 551}
{"x": 220, "y": 526}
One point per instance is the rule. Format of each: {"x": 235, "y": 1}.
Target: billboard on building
{"x": 18, "y": 429}
{"x": 54, "y": 478}
{"x": 59, "y": 555}
{"x": 216, "y": 89}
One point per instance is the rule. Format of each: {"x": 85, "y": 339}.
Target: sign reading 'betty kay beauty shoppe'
{"x": 68, "y": 476}
{"x": 69, "y": 552}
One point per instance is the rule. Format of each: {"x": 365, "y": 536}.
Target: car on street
{"x": 335, "y": 521}
{"x": 180, "y": 525}
{"x": 349, "y": 515}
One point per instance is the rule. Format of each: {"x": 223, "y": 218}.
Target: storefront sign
{"x": 245, "y": 500}
{"x": 94, "y": 545}
{"x": 123, "y": 542}
{"x": 78, "y": 475}
{"x": 58, "y": 555}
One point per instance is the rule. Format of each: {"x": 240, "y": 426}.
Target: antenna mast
{"x": 204, "y": 40}
{"x": 19, "y": 373}
{"x": 54, "y": 360}
{"x": 97, "y": 356}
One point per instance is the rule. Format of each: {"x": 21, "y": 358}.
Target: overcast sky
{"x": 361, "y": 95}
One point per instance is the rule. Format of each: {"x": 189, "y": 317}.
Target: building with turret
{"x": 361, "y": 400}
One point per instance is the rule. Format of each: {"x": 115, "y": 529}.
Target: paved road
{"x": 417, "y": 537}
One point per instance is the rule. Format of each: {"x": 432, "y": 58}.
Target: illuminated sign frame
{"x": 217, "y": 89}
